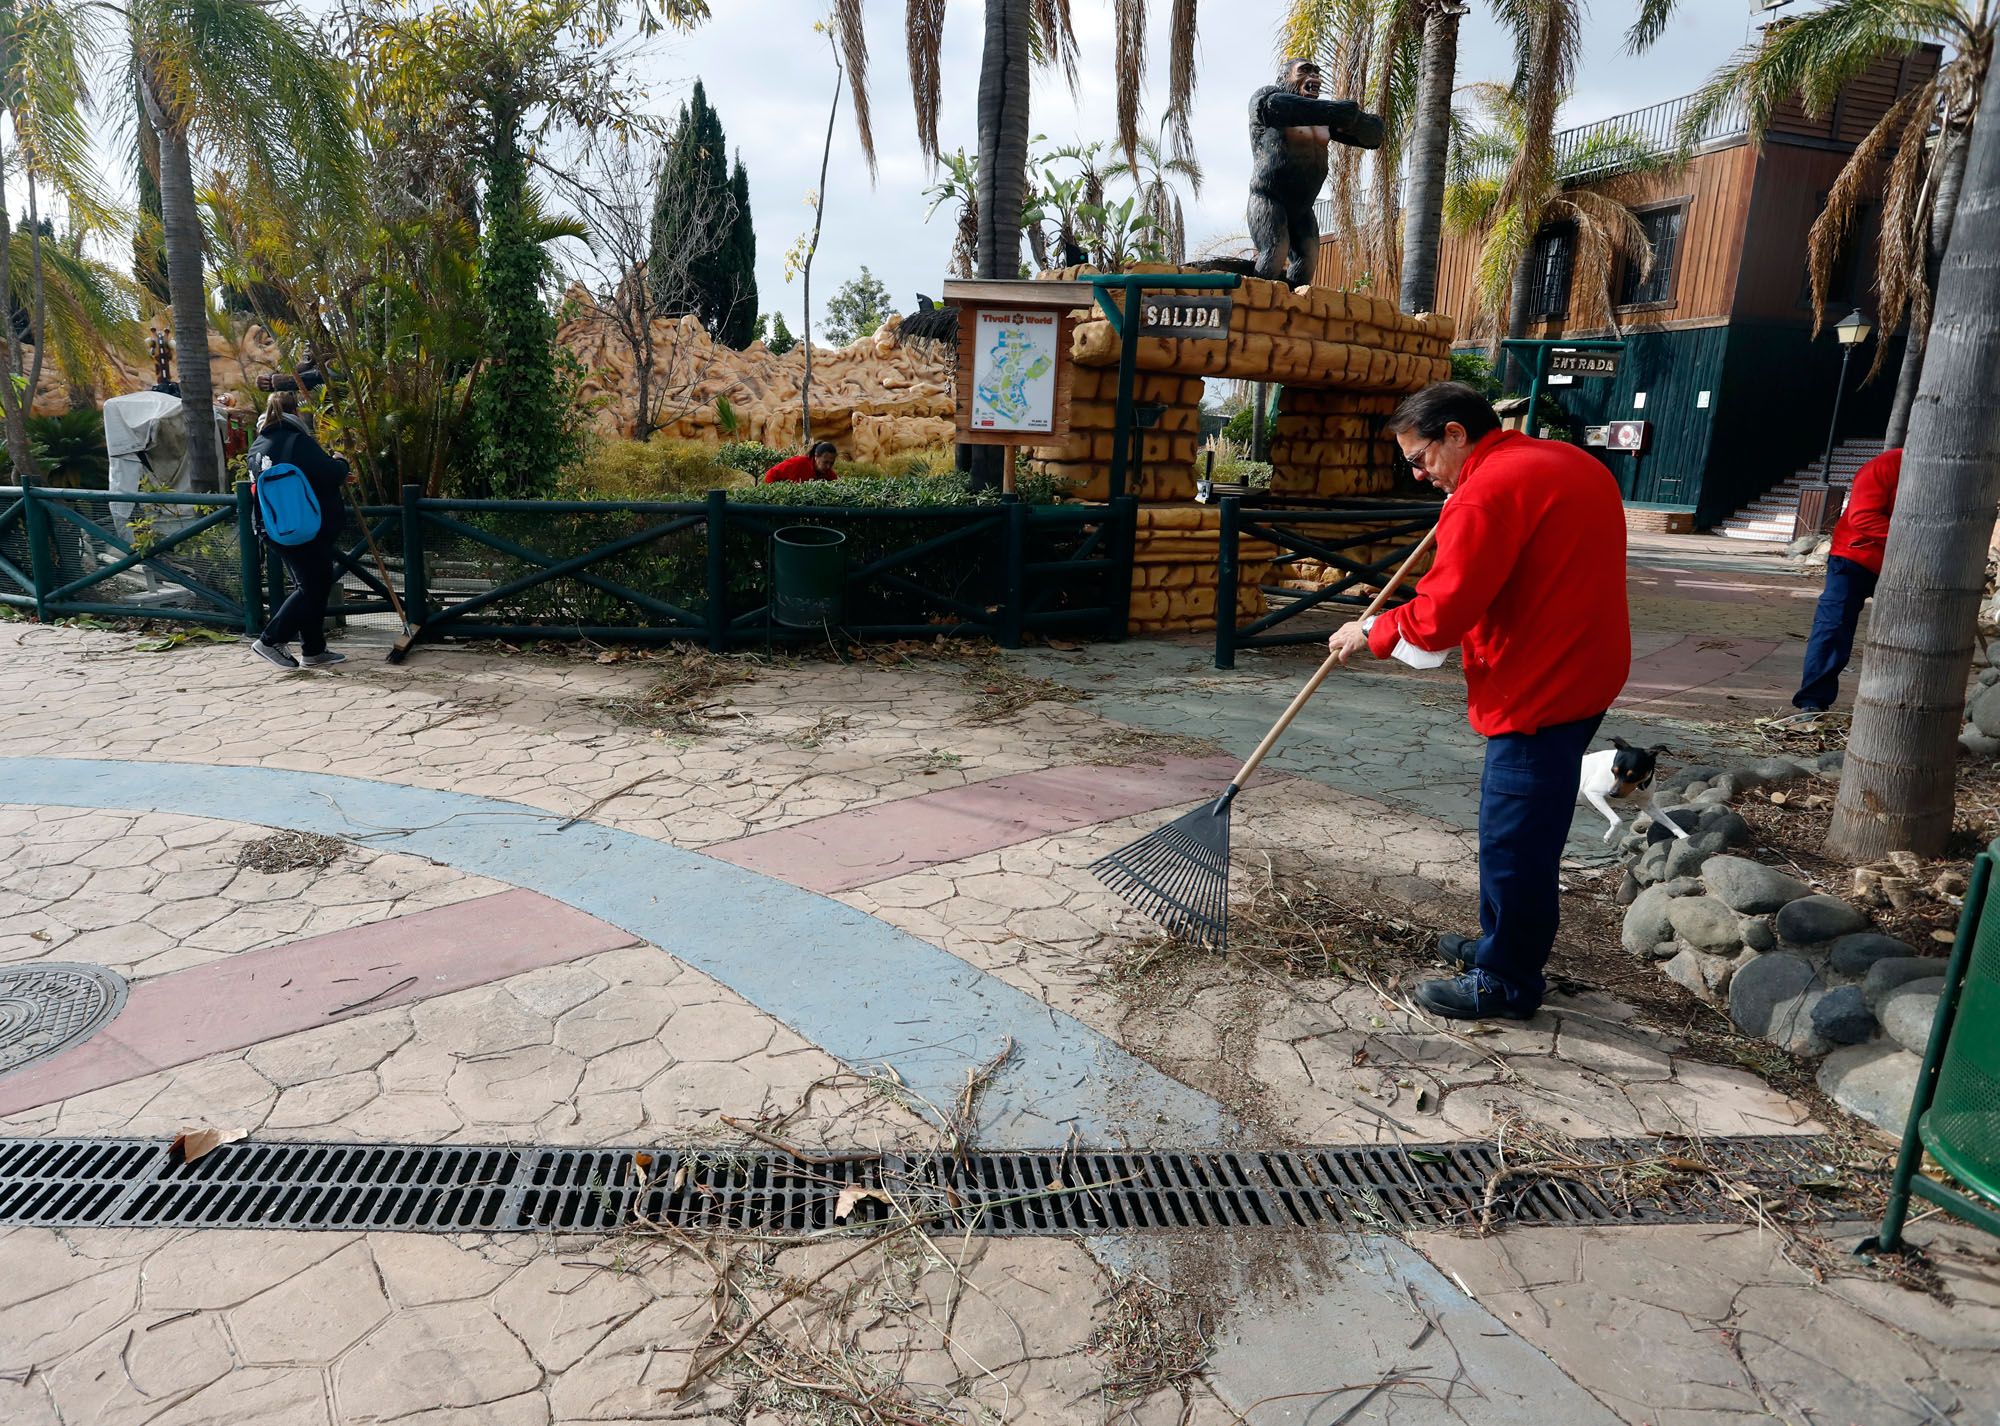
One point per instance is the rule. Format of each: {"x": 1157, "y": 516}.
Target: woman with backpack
{"x": 298, "y": 507}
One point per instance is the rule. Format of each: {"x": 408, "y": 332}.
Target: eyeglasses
{"x": 1422, "y": 459}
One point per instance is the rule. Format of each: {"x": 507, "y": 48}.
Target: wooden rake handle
{"x": 1320, "y": 676}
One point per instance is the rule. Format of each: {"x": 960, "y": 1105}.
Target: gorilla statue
{"x": 1290, "y": 130}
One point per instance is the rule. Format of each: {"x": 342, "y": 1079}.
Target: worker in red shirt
{"x": 815, "y": 464}
{"x": 1528, "y": 579}
{"x": 1851, "y": 571}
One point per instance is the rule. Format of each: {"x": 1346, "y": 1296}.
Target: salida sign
{"x": 1199, "y": 317}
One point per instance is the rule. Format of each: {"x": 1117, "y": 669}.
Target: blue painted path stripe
{"x": 864, "y": 991}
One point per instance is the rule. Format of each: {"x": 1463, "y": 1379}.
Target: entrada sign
{"x": 1571, "y": 363}
{"x": 1201, "y": 317}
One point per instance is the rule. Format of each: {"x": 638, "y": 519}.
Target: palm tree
{"x": 960, "y": 185}
{"x": 1153, "y": 173}
{"x": 1896, "y": 790}
{"x": 246, "y": 84}
{"x": 44, "y": 50}
{"x": 1476, "y": 200}
{"x": 1923, "y": 138}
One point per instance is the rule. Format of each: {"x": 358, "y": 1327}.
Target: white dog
{"x": 1619, "y": 773}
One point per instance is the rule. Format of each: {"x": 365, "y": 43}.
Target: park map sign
{"x": 1014, "y": 367}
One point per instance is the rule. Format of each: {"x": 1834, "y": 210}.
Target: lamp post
{"x": 1815, "y": 499}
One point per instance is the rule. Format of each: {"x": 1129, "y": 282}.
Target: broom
{"x": 1179, "y": 875}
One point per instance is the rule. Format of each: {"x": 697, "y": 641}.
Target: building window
{"x": 1549, "y": 269}
{"x": 1663, "y": 235}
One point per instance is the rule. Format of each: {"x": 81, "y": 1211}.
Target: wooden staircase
{"x": 1769, "y": 517}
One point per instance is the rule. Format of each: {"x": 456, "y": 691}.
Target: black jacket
{"x": 290, "y": 443}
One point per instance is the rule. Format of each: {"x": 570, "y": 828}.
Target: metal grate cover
{"x": 47, "y": 1006}
{"x": 128, "y": 1183}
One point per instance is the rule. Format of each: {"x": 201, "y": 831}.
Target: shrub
{"x": 749, "y": 457}
{"x": 1476, "y": 371}
{"x": 70, "y": 449}
{"x": 658, "y": 469}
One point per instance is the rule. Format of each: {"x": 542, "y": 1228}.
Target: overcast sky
{"x": 770, "y": 78}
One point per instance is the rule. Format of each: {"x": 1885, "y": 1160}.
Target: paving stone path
{"x": 548, "y": 926}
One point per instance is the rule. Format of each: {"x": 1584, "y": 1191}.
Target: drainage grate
{"x": 50, "y": 1005}
{"x": 124, "y": 1183}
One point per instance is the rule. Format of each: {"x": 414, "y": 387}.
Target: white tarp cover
{"x": 140, "y": 422}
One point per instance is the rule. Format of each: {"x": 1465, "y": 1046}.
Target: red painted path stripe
{"x": 256, "y": 996}
{"x": 871, "y": 844}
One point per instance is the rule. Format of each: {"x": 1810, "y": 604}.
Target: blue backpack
{"x": 286, "y": 505}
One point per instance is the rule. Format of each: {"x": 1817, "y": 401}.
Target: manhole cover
{"x": 44, "y": 1008}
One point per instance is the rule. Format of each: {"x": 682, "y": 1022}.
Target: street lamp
{"x": 1814, "y": 500}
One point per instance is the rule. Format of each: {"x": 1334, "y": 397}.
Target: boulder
{"x": 1682, "y": 886}
{"x": 1700, "y": 773}
{"x": 1705, "y": 923}
{"x": 1854, "y": 954}
{"x": 1665, "y": 950}
{"x": 1744, "y": 885}
{"x": 1728, "y": 785}
{"x": 1876, "y": 1082}
{"x": 1792, "y": 1027}
{"x": 1628, "y": 889}
{"x": 1977, "y": 743}
{"x": 1652, "y": 863}
{"x": 1812, "y": 919}
{"x": 1705, "y": 975}
{"x": 1758, "y": 934}
{"x": 1886, "y": 974}
{"x": 1646, "y": 923}
{"x": 1829, "y": 763}
{"x": 1717, "y": 796}
{"x": 1727, "y": 824}
{"x": 1983, "y": 712}
{"x": 1686, "y": 858}
{"x": 1767, "y": 982}
{"x": 1776, "y": 771}
{"x": 1907, "y": 1011}
{"x": 1842, "y": 1016}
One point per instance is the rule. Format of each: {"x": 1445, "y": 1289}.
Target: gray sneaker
{"x": 276, "y": 655}
{"x": 324, "y": 658}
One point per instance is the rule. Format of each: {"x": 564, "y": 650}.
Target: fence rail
{"x": 640, "y": 571}
{"x": 1363, "y": 542}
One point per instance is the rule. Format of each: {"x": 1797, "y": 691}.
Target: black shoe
{"x": 1472, "y": 996}
{"x": 1456, "y": 950}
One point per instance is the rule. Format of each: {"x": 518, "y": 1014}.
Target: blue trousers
{"x": 1527, "y": 798}
{"x": 1831, "y": 644}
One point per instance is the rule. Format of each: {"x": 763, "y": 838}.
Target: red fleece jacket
{"x": 1863, "y": 530}
{"x": 1529, "y": 577}
{"x": 794, "y": 468}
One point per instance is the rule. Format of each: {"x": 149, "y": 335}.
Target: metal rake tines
{"x": 1178, "y": 875}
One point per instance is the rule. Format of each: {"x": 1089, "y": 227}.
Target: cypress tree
{"x": 739, "y": 315}
{"x": 704, "y": 249}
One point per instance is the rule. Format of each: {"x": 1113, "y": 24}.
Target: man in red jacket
{"x": 1851, "y": 571}
{"x": 815, "y": 464}
{"x": 1528, "y": 579}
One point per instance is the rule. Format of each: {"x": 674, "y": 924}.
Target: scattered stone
{"x": 1907, "y": 1012}
{"x": 1659, "y": 832}
{"x": 1803, "y": 545}
{"x": 1726, "y": 824}
{"x": 1745, "y": 885}
{"x": 1686, "y": 858}
{"x": 1765, "y": 983}
{"x": 1694, "y": 787}
{"x": 1854, "y": 954}
{"x": 1842, "y": 1016}
{"x": 1812, "y": 919}
{"x": 1758, "y": 933}
{"x": 1704, "y": 923}
{"x": 1666, "y": 950}
{"x": 1628, "y": 889}
{"x": 1886, "y": 974}
{"x": 1830, "y": 762}
{"x": 1682, "y": 886}
{"x": 1983, "y": 712}
{"x": 1949, "y": 886}
{"x": 1705, "y": 976}
{"x": 1876, "y": 1082}
{"x": 1652, "y": 863}
{"x": 1700, "y": 773}
{"x": 1977, "y": 743}
{"x": 1718, "y": 795}
{"x": 1729, "y": 784}
{"x": 1775, "y": 771}
{"x": 1646, "y": 922}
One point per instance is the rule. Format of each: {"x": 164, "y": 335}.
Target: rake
{"x": 1179, "y": 875}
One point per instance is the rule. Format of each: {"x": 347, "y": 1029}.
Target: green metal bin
{"x": 1955, "y": 1115}
{"x": 808, "y": 568}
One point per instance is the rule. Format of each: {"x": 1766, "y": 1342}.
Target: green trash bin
{"x": 808, "y": 567}
{"x": 1956, "y": 1112}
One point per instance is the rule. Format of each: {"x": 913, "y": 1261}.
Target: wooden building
{"x": 1719, "y": 358}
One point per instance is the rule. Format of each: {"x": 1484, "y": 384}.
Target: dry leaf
{"x": 1056, "y": 1185}
{"x": 680, "y": 1177}
{"x": 41, "y": 935}
{"x": 1062, "y": 645}
{"x": 1944, "y": 937}
{"x": 1426, "y": 1101}
{"x": 192, "y": 1144}
{"x": 852, "y": 1195}
{"x": 1360, "y": 1057}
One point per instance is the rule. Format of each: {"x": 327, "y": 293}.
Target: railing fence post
{"x": 1225, "y": 584}
{"x": 416, "y": 581}
{"x": 1125, "y": 517}
{"x": 246, "y": 561}
{"x": 717, "y": 610}
{"x": 1013, "y": 613}
{"x": 36, "y": 519}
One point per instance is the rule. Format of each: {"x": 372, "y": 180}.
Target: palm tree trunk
{"x": 1951, "y": 177}
{"x": 1514, "y": 328}
{"x": 1430, "y": 146}
{"x": 180, "y": 222}
{"x": 1896, "y": 791}
{"x": 1004, "y": 78}
{"x": 14, "y": 405}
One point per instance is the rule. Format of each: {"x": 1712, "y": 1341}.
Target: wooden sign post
{"x": 1014, "y": 367}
